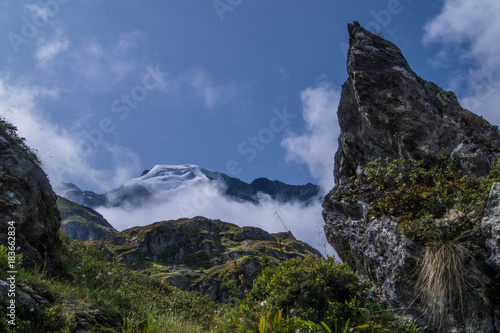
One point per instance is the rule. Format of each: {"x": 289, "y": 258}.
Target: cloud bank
{"x": 316, "y": 146}
{"x": 305, "y": 222}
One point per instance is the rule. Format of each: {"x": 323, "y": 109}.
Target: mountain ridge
{"x": 166, "y": 180}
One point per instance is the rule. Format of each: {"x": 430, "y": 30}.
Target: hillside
{"x": 81, "y": 222}
{"x": 201, "y": 254}
{"x": 64, "y": 285}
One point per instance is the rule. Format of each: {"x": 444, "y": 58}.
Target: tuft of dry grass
{"x": 442, "y": 282}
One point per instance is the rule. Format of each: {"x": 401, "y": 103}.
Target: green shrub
{"x": 307, "y": 283}
{"x": 417, "y": 195}
{"x": 311, "y": 294}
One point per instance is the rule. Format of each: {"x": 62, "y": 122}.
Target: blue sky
{"x": 106, "y": 89}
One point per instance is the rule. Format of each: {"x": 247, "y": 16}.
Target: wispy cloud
{"x": 37, "y": 11}
{"x": 281, "y": 71}
{"x": 473, "y": 28}
{"x": 48, "y": 50}
{"x": 317, "y": 145}
{"x": 58, "y": 147}
{"x": 103, "y": 65}
{"x": 208, "y": 90}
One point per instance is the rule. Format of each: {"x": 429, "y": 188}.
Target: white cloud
{"x": 57, "y": 147}
{"x": 305, "y": 222}
{"x": 211, "y": 93}
{"x": 317, "y": 145}
{"x": 47, "y": 51}
{"x": 473, "y": 29}
{"x": 103, "y": 66}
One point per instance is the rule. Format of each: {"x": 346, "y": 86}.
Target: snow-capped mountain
{"x": 172, "y": 177}
{"x": 163, "y": 182}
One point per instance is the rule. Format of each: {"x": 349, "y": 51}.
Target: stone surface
{"x": 387, "y": 110}
{"x": 27, "y": 199}
{"x": 491, "y": 228}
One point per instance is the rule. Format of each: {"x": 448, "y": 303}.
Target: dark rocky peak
{"x": 370, "y": 52}
{"x": 387, "y": 110}
{"x": 284, "y": 192}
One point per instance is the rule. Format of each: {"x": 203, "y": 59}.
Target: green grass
{"x": 139, "y": 302}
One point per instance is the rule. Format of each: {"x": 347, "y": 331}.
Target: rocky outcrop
{"x": 387, "y": 110}
{"x": 27, "y": 199}
{"x": 81, "y": 222}
{"x": 36, "y": 301}
{"x": 202, "y": 254}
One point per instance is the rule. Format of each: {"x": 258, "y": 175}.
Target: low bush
{"x": 311, "y": 294}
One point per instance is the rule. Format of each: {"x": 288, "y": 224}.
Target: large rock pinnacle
{"x": 387, "y": 110}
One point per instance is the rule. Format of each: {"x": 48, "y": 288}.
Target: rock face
{"x": 387, "y": 110}
{"x": 27, "y": 199}
{"x": 491, "y": 228}
{"x": 200, "y": 254}
{"x": 82, "y": 222}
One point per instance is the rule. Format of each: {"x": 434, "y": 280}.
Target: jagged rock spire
{"x": 387, "y": 110}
